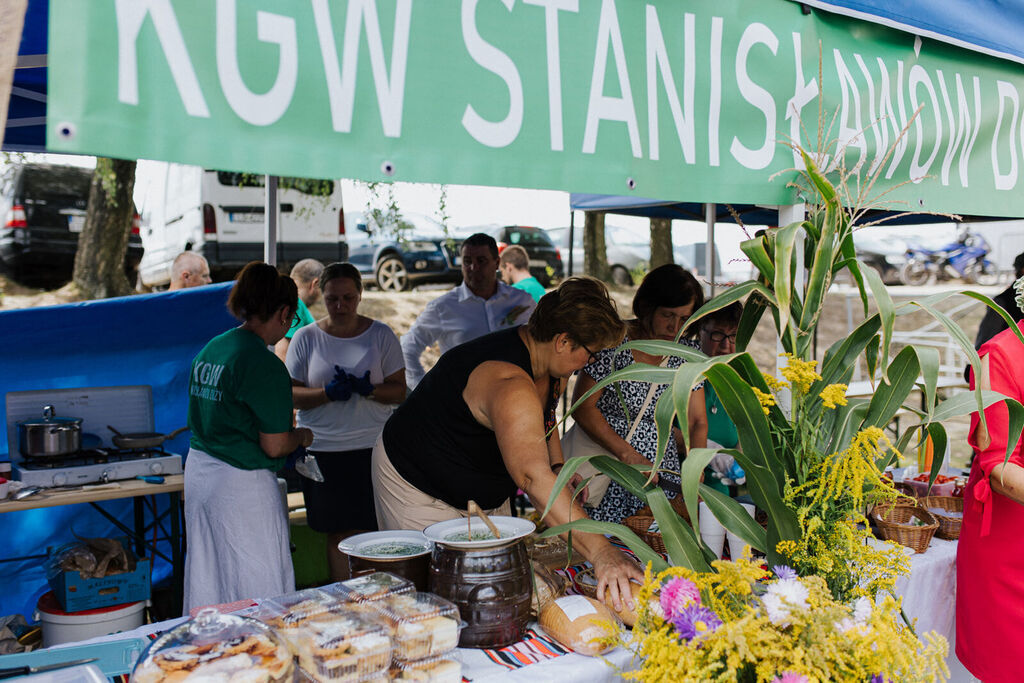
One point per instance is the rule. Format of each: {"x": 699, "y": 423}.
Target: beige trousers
{"x": 400, "y": 505}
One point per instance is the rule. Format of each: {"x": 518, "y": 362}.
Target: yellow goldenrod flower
{"x": 834, "y": 395}
{"x": 773, "y": 382}
{"x": 800, "y": 373}
{"x": 766, "y": 400}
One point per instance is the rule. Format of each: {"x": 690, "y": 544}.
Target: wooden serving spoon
{"x": 473, "y": 509}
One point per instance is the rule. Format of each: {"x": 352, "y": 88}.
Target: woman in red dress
{"x": 990, "y": 556}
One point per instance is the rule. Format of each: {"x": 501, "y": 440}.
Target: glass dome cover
{"x": 216, "y": 645}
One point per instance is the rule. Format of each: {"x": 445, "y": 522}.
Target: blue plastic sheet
{"x": 146, "y": 339}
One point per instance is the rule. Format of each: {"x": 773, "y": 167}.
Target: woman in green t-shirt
{"x": 718, "y": 338}
{"x": 240, "y": 414}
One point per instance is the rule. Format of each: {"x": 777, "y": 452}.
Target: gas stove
{"x": 129, "y": 408}
{"x": 96, "y": 465}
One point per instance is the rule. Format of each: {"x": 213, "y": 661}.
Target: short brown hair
{"x": 260, "y": 291}
{"x": 582, "y": 309}
{"x": 667, "y": 286}
{"x": 341, "y": 270}
{"x": 727, "y": 315}
{"x": 517, "y": 256}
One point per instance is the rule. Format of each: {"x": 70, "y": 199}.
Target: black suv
{"x": 43, "y": 208}
{"x": 545, "y": 258}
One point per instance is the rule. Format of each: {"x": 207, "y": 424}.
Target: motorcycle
{"x": 966, "y": 258}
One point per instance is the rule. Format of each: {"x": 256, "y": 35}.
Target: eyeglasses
{"x": 719, "y": 337}
{"x": 593, "y": 356}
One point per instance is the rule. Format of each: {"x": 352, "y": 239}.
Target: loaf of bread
{"x": 581, "y": 624}
{"x": 627, "y": 615}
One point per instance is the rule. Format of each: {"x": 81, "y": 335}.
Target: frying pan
{"x": 142, "y": 439}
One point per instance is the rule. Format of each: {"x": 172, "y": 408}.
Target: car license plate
{"x": 245, "y": 217}
{"x": 76, "y": 223}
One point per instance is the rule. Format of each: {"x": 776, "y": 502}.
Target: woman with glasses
{"x": 481, "y": 424}
{"x": 663, "y": 303}
{"x": 718, "y": 338}
{"x": 347, "y": 375}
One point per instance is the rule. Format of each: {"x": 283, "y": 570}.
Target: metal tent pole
{"x": 270, "y": 220}
{"x": 709, "y": 245}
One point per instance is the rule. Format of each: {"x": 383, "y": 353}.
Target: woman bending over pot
{"x": 480, "y": 424}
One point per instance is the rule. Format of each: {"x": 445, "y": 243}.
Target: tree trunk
{"x": 661, "y": 242}
{"x": 595, "y": 257}
{"x": 99, "y": 261}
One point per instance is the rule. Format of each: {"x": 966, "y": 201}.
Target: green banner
{"x": 676, "y": 100}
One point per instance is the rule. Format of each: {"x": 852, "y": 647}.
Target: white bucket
{"x": 70, "y": 627}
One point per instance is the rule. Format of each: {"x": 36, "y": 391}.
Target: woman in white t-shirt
{"x": 347, "y": 374}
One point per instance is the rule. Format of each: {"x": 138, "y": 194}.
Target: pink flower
{"x": 790, "y": 677}
{"x": 676, "y": 595}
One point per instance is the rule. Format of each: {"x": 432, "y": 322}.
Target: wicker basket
{"x": 949, "y": 527}
{"x": 585, "y": 588}
{"x": 640, "y": 524}
{"x": 893, "y": 523}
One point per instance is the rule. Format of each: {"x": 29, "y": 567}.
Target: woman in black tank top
{"x": 477, "y": 426}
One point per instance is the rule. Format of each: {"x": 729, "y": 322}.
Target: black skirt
{"x": 344, "y": 500}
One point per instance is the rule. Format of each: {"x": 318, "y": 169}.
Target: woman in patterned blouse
{"x": 663, "y": 303}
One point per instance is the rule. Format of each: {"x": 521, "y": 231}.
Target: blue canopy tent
{"x": 26, "y": 110}
{"x": 138, "y": 340}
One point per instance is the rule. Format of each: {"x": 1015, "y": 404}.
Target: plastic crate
{"x": 75, "y": 593}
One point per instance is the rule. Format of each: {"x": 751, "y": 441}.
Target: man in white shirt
{"x": 481, "y": 304}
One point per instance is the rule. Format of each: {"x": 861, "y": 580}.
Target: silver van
{"x": 219, "y": 214}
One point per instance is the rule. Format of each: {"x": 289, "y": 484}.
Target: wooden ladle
{"x": 473, "y": 509}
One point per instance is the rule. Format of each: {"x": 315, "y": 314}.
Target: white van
{"x": 219, "y": 214}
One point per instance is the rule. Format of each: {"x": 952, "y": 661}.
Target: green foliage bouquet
{"x": 813, "y": 457}
{"x": 743, "y": 623}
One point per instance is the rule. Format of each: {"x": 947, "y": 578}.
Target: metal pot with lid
{"x": 51, "y": 436}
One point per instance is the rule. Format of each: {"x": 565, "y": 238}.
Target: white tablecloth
{"x": 929, "y": 596}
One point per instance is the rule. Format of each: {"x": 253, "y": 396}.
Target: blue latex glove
{"x": 339, "y": 388}
{"x": 361, "y": 385}
{"x": 299, "y": 452}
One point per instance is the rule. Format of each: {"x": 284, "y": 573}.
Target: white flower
{"x": 782, "y": 597}
{"x": 862, "y": 610}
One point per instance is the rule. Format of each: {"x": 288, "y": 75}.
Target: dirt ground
{"x": 842, "y": 313}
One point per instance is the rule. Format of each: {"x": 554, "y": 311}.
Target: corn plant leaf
{"x": 937, "y": 433}
{"x": 871, "y": 355}
{"x": 664, "y": 419}
{"x": 735, "y": 518}
{"x": 735, "y": 293}
{"x": 888, "y": 398}
{"x": 758, "y": 255}
{"x": 849, "y": 250}
{"x": 688, "y": 375}
{"x": 886, "y": 311}
{"x": 643, "y": 551}
{"x": 820, "y": 275}
{"x": 840, "y": 358}
{"x": 849, "y": 425}
{"x": 691, "y": 470}
{"x": 785, "y": 294}
{"x": 965, "y": 404}
{"x": 680, "y": 540}
{"x": 753, "y": 310}
{"x": 928, "y": 356}
{"x": 960, "y": 337}
{"x": 660, "y": 347}
{"x": 818, "y": 179}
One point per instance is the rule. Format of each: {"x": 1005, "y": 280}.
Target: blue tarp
{"x": 146, "y": 339}
{"x": 992, "y": 27}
